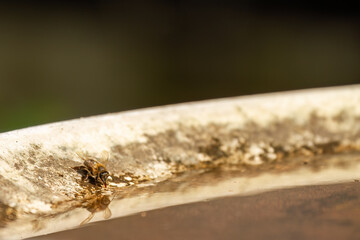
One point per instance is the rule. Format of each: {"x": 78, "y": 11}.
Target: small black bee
{"x": 93, "y": 170}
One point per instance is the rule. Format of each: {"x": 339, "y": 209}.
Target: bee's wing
{"x": 107, "y": 213}
{"x": 105, "y": 156}
{"x": 91, "y": 164}
{"x": 91, "y": 215}
{"x": 81, "y": 155}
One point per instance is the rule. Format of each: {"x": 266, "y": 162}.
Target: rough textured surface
{"x": 266, "y": 134}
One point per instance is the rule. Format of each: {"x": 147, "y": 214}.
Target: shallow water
{"x": 311, "y": 212}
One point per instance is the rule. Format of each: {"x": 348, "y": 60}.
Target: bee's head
{"x": 104, "y": 176}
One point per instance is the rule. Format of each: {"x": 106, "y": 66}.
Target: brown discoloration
{"x": 36, "y": 146}
{"x": 213, "y": 149}
{"x": 7, "y": 214}
{"x": 341, "y": 116}
{"x": 276, "y": 146}
{"x": 40, "y": 169}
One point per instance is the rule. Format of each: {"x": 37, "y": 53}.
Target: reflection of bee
{"x": 93, "y": 170}
{"x": 97, "y": 204}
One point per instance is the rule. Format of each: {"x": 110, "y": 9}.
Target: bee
{"x": 97, "y": 204}
{"x": 94, "y": 171}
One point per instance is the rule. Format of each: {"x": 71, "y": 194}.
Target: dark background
{"x": 64, "y": 60}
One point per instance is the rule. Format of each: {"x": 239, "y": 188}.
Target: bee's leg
{"x": 83, "y": 171}
{"x": 87, "y": 219}
{"x": 86, "y": 177}
{"x": 98, "y": 181}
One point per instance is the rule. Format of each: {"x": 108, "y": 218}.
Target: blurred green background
{"x": 63, "y": 60}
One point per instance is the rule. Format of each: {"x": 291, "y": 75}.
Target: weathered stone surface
{"x": 261, "y": 140}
